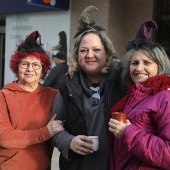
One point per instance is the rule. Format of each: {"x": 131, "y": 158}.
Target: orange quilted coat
{"x": 24, "y": 136}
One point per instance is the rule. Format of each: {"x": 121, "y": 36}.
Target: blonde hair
{"x": 111, "y": 61}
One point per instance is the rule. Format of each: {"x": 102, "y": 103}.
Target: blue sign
{"x": 23, "y": 6}
{"x": 59, "y": 4}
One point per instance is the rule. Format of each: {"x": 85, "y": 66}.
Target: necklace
{"x": 95, "y": 98}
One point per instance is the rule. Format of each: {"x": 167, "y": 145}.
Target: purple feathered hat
{"x": 145, "y": 29}
{"x": 143, "y": 37}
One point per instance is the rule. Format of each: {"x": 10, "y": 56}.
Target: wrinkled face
{"x": 26, "y": 73}
{"x": 142, "y": 67}
{"x": 91, "y": 54}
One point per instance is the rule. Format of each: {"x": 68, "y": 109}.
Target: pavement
{"x": 55, "y": 160}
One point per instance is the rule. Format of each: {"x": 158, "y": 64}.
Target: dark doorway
{"x": 2, "y": 59}
{"x": 163, "y": 20}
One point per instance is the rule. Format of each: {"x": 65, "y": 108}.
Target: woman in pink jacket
{"x": 25, "y": 125}
{"x": 143, "y": 143}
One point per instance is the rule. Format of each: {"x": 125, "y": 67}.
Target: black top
{"x": 56, "y": 77}
{"x": 81, "y": 118}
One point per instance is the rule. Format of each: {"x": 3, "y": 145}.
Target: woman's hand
{"x": 55, "y": 126}
{"x": 82, "y": 145}
{"x": 117, "y": 127}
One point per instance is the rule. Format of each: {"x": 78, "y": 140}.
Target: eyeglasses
{"x": 95, "y": 98}
{"x": 25, "y": 65}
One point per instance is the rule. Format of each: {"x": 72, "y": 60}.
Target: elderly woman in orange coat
{"x": 25, "y": 125}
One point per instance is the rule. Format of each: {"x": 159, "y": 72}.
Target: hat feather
{"x": 33, "y": 37}
{"x": 145, "y": 29}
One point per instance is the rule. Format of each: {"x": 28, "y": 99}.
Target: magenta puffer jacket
{"x": 145, "y": 144}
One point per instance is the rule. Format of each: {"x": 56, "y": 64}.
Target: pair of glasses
{"x": 25, "y": 65}
{"x": 95, "y": 98}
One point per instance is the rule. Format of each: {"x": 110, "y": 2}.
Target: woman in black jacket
{"x": 84, "y": 101}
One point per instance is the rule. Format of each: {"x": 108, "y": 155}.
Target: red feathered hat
{"x": 31, "y": 44}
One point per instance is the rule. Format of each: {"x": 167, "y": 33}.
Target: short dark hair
{"x": 60, "y": 55}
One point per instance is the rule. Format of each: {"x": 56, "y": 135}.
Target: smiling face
{"x": 29, "y": 76}
{"x": 142, "y": 67}
{"x": 91, "y": 54}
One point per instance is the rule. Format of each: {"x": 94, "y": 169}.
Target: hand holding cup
{"x": 120, "y": 116}
{"x": 95, "y": 142}
{"x": 118, "y": 123}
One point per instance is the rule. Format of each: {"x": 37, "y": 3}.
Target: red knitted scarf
{"x": 156, "y": 83}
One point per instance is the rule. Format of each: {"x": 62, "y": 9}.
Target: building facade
{"x": 121, "y": 20}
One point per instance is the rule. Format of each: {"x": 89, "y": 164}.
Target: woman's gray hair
{"x": 111, "y": 61}
{"x": 157, "y": 54}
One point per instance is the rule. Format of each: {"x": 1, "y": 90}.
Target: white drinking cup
{"x": 95, "y": 142}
